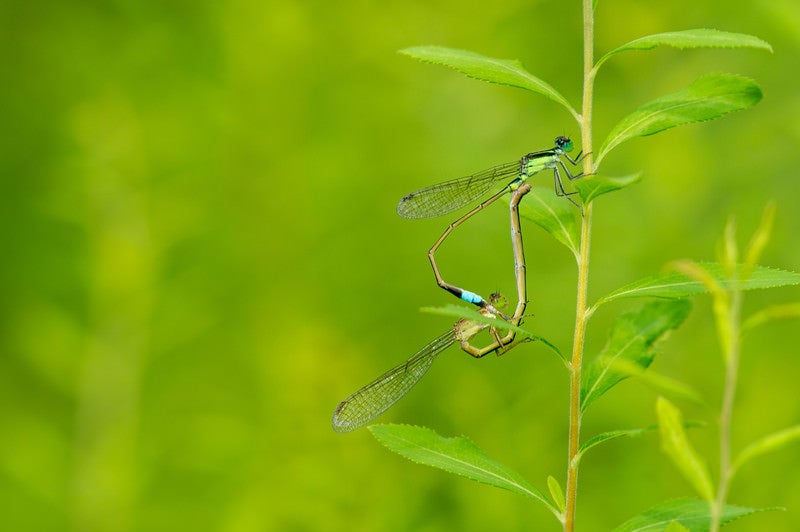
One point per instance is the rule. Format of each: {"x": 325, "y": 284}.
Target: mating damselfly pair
{"x": 375, "y": 398}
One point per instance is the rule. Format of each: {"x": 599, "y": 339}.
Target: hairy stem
{"x": 581, "y": 310}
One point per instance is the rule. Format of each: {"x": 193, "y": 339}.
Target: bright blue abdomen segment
{"x": 470, "y": 297}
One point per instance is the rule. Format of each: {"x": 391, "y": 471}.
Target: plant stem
{"x": 581, "y": 310}
{"x": 726, "y": 414}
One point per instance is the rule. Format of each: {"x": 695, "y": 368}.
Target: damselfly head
{"x": 563, "y": 143}
{"x": 498, "y": 300}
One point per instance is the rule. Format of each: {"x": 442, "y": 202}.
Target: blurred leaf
{"x": 593, "y": 186}
{"x": 677, "y": 285}
{"x": 632, "y": 339}
{"x": 556, "y": 493}
{"x": 728, "y": 256}
{"x": 694, "y": 514}
{"x": 721, "y": 301}
{"x": 614, "y": 434}
{"x": 460, "y": 311}
{"x": 777, "y": 312}
{"x": 502, "y": 71}
{"x": 607, "y": 436}
{"x": 767, "y": 444}
{"x": 759, "y": 240}
{"x": 676, "y": 445}
{"x": 554, "y": 215}
{"x": 456, "y": 455}
{"x": 661, "y": 382}
{"x": 696, "y": 38}
{"x": 707, "y": 98}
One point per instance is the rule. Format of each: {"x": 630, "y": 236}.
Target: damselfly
{"x": 448, "y": 196}
{"x": 375, "y": 398}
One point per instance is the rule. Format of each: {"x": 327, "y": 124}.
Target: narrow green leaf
{"x": 615, "y": 434}
{"x": 460, "y": 311}
{"x": 658, "y": 381}
{"x": 608, "y": 436}
{"x": 696, "y": 38}
{"x": 728, "y": 250}
{"x": 709, "y": 97}
{"x": 632, "y": 340}
{"x": 720, "y": 298}
{"x": 692, "y": 513}
{"x": 767, "y": 444}
{"x": 777, "y": 312}
{"x": 456, "y": 455}
{"x": 677, "y": 285}
{"x": 554, "y": 215}
{"x": 593, "y": 186}
{"x": 676, "y": 445}
{"x": 502, "y": 71}
{"x": 556, "y": 493}
{"x": 759, "y": 240}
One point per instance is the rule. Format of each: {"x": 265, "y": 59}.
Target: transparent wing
{"x": 375, "y": 398}
{"x": 451, "y": 195}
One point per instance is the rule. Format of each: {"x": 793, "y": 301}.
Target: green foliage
{"x": 501, "y": 71}
{"x": 632, "y": 339}
{"x": 456, "y": 455}
{"x": 552, "y": 214}
{"x": 556, "y": 492}
{"x": 767, "y": 444}
{"x": 677, "y": 285}
{"x": 609, "y": 436}
{"x": 590, "y": 187}
{"x": 691, "y": 513}
{"x": 201, "y": 256}
{"x": 709, "y": 97}
{"x": 676, "y": 445}
{"x": 631, "y": 345}
{"x": 697, "y": 38}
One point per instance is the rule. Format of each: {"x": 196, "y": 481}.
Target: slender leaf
{"x": 692, "y": 513}
{"x": 695, "y": 38}
{"x": 677, "y": 285}
{"x": 776, "y": 312}
{"x": 556, "y": 493}
{"x": 675, "y": 444}
{"x": 460, "y": 311}
{"x": 502, "y": 71}
{"x": 615, "y": 434}
{"x": 554, "y": 215}
{"x": 707, "y": 98}
{"x": 456, "y": 455}
{"x": 759, "y": 240}
{"x": 658, "y": 381}
{"x": 608, "y": 436}
{"x": 631, "y": 340}
{"x": 593, "y": 186}
{"x": 767, "y": 444}
{"x": 720, "y": 297}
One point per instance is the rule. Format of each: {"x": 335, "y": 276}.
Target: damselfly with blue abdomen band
{"x": 375, "y": 398}
{"x": 448, "y": 196}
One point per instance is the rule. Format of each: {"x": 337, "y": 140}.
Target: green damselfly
{"x": 448, "y": 196}
{"x": 375, "y": 398}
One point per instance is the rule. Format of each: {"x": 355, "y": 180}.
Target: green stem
{"x": 581, "y": 309}
{"x": 726, "y": 414}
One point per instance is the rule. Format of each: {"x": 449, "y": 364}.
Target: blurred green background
{"x": 201, "y": 258}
